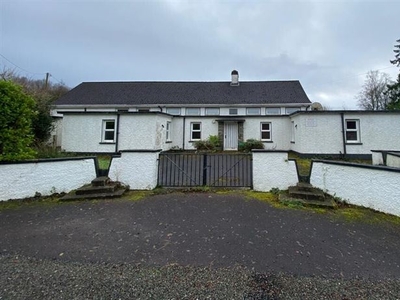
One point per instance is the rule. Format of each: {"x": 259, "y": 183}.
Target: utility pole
{"x": 47, "y": 80}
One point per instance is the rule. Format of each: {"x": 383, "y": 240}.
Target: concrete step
{"x": 101, "y": 181}
{"x": 87, "y": 190}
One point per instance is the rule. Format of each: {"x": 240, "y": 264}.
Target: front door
{"x": 230, "y": 136}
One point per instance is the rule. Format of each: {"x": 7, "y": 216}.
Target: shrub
{"x": 211, "y": 144}
{"x": 250, "y": 144}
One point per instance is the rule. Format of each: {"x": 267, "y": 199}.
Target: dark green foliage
{"x": 211, "y": 144}
{"x": 250, "y": 144}
{"x": 16, "y": 114}
{"x": 393, "y": 90}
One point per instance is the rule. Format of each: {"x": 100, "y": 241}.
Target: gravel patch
{"x": 31, "y": 278}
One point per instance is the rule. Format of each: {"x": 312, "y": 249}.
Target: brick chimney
{"x": 234, "y": 78}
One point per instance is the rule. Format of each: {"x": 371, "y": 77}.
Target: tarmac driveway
{"x": 202, "y": 229}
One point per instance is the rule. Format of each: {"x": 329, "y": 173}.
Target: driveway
{"x": 202, "y": 229}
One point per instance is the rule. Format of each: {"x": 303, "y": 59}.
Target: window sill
{"x": 292, "y": 142}
{"x": 355, "y": 143}
{"x": 168, "y": 142}
{"x": 266, "y": 141}
{"x": 107, "y": 143}
{"x": 193, "y": 141}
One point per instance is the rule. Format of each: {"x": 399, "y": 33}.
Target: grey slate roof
{"x": 170, "y": 93}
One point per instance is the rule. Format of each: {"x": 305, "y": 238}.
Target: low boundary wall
{"x": 273, "y": 169}
{"x": 25, "y": 179}
{"x": 136, "y": 168}
{"x": 375, "y": 187}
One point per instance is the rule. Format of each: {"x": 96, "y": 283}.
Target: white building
{"x": 107, "y": 117}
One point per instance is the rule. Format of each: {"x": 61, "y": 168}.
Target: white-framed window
{"x": 233, "y": 111}
{"x": 212, "y": 111}
{"x": 253, "y": 111}
{"x": 266, "y": 131}
{"x": 290, "y": 110}
{"x": 194, "y": 111}
{"x": 176, "y": 111}
{"x": 352, "y": 131}
{"x": 108, "y": 135}
{"x": 195, "y": 131}
{"x": 273, "y": 111}
{"x": 168, "y": 131}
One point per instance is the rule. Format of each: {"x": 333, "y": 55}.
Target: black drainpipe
{"x": 117, "y": 137}
{"x": 343, "y": 135}
{"x": 184, "y": 125}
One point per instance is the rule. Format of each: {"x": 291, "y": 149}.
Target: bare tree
{"x": 372, "y": 96}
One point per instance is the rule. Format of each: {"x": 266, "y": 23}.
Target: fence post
{"x": 205, "y": 170}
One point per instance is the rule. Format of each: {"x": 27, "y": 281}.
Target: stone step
{"x": 101, "y": 181}
{"x": 116, "y": 194}
{"x": 307, "y": 194}
{"x": 87, "y": 190}
{"x": 304, "y": 186}
{"x": 326, "y": 203}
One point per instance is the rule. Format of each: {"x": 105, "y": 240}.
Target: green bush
{"x": 250, "y": 144}
{"x": 211, "y": 144}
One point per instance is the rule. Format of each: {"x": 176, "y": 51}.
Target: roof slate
{"x": 180, "y": 93}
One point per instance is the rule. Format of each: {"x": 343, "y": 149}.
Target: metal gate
{"x": 199, "y": 169}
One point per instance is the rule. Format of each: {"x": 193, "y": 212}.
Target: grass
{"x": 104, "y": 161}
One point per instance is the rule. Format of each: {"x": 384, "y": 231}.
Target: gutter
{"x": 343, "y": 134}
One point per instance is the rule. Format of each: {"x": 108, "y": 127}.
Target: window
{"x": 176, "y": 111}
{"x": 233, "y": 111}
{"x": 273, "y": 111}
{"x": 253, "y": 111}
{"x": 352, "y": 131}
{"x": 108, "y": 131}
{"x": 168, "y": 131}
{"x": 195, "y": 131}
{"x": 290, "y": 110}
{"x": 266, "y": 131}
{"x": 212, "y": 111}
{"x": 192, "y": 111}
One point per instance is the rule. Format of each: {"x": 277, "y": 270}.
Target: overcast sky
{"x": 327, "y": 45}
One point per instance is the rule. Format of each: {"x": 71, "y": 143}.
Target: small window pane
{"x": 351, "y": 135}
{"x": 211, "y": 111}
{"x": 193, "y": 111}
{"x": 273, "y": 111}
{"x": 196, "y": 126}
{"x": 351, "y": 125}
{"x": 109, "y": 135}
{"x": 265, "y": 126}
{"x": 233, "y": 111}
{"x": 196, "y": 135}
{"x": 110, "y": 125}
{"x": 290, "y": 110}
{"x": 253, "y": 111}
{"x": 174, "y": 111}
{"x": 265, "y": 135}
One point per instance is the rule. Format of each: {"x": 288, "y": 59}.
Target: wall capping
{"x": 349, "y": 164}
{"x": 141, "y": 150}
{"x": 46, "y": 160}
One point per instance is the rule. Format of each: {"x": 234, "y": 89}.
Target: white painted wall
{"x": 136, "y": 169}
{"x": 83, "y": 133}
{"x": 317, "y": 133}
{"x": 376, "y": 188}
{"x": 280, "y": 131}
{"x": 377, "y": 158}
{"x": 273, "y": 170}
{"x": 24, "y": 180}
{"x": 393, "y": 160}
{"x": 55, "y": 139}
{"x": 208, "y": 127}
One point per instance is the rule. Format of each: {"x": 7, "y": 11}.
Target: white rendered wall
{"x": 83, "y": 133}
{"x": 377, "y": 158}
{"x": 24, "y": 180}
{"x": 317, "y": 133}
{"x": 208, "y": 127}
{"x": 56, "y": 133}
{"x": 393, "y": 160}
{"x": 280, "y": 133}
{"x": 374, "y": 188}
{"x": 136, "y": 169}
{"x": 273, "y": 170}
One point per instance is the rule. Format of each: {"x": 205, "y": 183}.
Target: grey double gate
{"x": 200, "y": 169}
